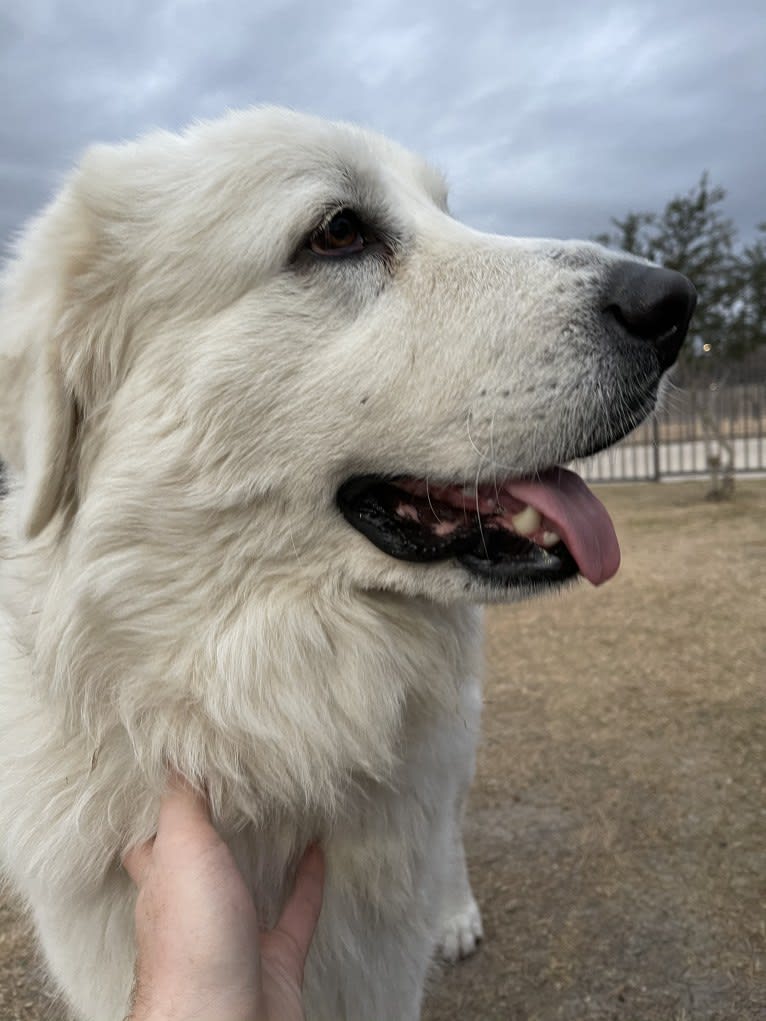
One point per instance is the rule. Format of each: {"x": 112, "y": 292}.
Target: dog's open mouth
{"x": 543, "y": 529}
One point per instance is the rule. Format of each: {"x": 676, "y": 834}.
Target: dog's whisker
{"x": 478, "y": 514}
{"x": 481, "y": 454}
{"x": 493, "y": 461}
{"x": 428, "y": 497}
{"x": 292, "y": 543}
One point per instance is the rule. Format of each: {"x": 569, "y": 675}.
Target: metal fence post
{"x": 656, "y": 448}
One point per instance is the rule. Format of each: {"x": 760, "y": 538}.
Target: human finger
{"x": 183, "y": 805}
{"x": 137, "y": 859}
{"x": 301, "y": 912}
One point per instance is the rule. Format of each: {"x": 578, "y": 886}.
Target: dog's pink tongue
{"x": 579, "y": 518}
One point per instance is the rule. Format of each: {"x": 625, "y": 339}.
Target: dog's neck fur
{"x": 282, "y": 657}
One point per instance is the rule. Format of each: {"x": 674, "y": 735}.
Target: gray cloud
{"x": 547, "y": 118}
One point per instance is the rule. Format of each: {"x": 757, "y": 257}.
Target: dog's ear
{"x": 48, "y": 437}
{"x": 37, "y": 423}
{"x": 65, "y": 320}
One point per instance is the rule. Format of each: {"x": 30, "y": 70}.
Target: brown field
{"x": 617, "y": 829}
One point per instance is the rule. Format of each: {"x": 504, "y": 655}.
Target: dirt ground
{"x": 617, "y": 828}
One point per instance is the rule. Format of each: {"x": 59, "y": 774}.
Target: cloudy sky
{"x": 547, "y": 116}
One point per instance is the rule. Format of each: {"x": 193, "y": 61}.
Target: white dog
{"x": 273, "y": 420}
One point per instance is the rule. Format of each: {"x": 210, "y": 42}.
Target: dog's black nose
{"x": 652, "y": 304}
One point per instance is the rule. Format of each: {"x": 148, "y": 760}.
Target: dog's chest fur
{"x": 266, "y": 708}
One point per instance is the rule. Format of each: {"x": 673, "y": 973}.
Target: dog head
{"x": 268, "y": 337}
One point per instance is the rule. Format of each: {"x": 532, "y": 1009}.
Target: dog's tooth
{"x": 527, "y": 522}
{"x": 550, "y": 539}
{"x": 406, "y": 510}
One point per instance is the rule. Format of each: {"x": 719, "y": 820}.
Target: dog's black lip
{"x": 494, "y": 555}
{"x": 540, "y": 567}
{"x": 528, "y": 565}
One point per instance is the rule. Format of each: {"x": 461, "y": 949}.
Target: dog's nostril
{"x": 652, "y": 304}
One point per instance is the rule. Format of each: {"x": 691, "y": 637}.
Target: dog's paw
{"x": 461, "y": 932}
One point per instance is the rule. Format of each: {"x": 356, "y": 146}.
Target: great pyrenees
{"x": 274, "y": 425}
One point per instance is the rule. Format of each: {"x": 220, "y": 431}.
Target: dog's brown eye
{"x": 342, "y": 235}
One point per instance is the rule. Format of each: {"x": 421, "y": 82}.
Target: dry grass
{"x": 618, "y": 822}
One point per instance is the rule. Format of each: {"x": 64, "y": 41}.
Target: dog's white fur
{"x": 184, "y": 388}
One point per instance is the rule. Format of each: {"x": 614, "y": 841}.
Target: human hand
{"x": 200, "y": 952}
